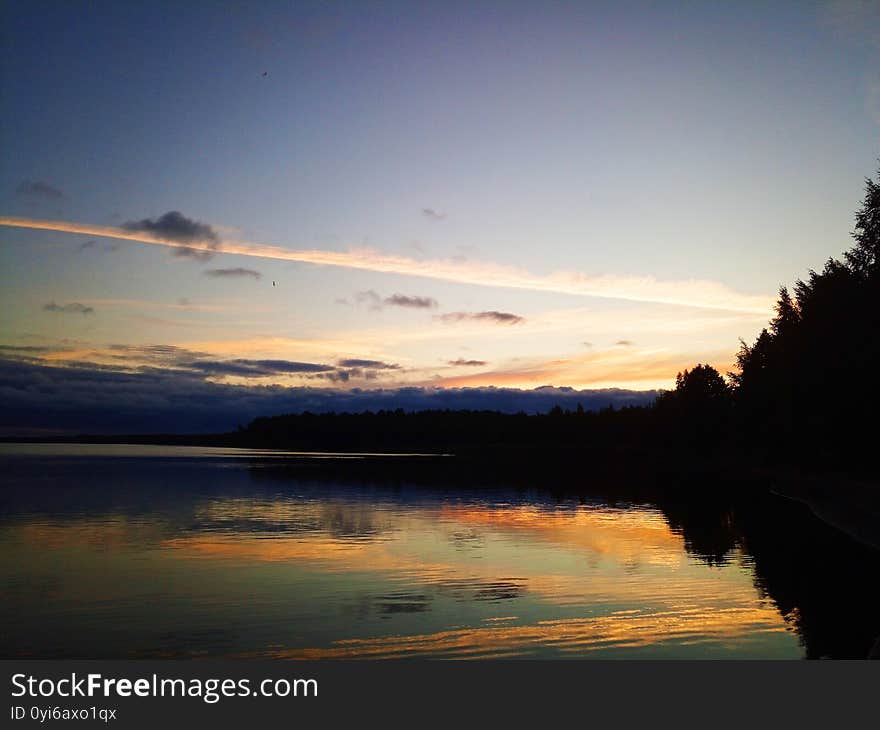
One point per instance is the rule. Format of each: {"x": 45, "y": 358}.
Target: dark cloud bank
{"x": 98, "y": 400}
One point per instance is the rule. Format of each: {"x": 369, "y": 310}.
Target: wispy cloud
{"x": 236, "y": 273}
{"x": 690, "y": 293}
{"x": 23, "y": 350}
{"x": 402, "y": 300}
{"x": 92, "y": 245}
{"x": 371, "y": 364}
{"x": 467, "y": 363}
{"x": 492, "y": 316}
{"x": 623, "y": 367}
{"x": 344, "y": 370}
{"x": 158, "y": 355}
{"x": 38, "y": 189}
{"x": 71, "y": 308}
{"x": 148, "y": 304}
{"x": 242, "y": 361}
{"x": 375, "y": 302}
{"x": 257, "y": 368}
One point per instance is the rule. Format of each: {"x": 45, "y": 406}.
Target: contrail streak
{"x": 688, "y": 293}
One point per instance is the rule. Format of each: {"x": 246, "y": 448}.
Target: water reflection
{"x": 106, "y": 557}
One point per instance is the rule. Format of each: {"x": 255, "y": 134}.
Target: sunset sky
{"x": 363, "y": 196}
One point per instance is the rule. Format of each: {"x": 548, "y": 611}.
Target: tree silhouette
{"x": 697, "y": 410}
{"x": 803, "y": 392}
{"x": 701, "y": 386}
{"x": 806, "y": 386}
{"x": 864, "y": 258}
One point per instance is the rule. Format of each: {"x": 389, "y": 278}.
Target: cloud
{"x": 433, "y": 214}
{"x": 688, "y": 293}
{"x": 370, "y": 298}
{"x": 586, "y": 344}
{"x": 467, "y": 363}
{"x": 24, "y": 350}
{"x": 371, "y": 364}
{"x": 95, "y": 400}
{"x": 177, "y": 228}
{"x": 202, "y": 360}
{"x": 147, "y": 304}
{"x": 338, "y": 376}
{"x": 493, "y": 316}
{"x": 620, "y": 366}
{"x": 107, "y": 246}
{"x": 257, "y": 368}
{"x": 625, "y": 343}
{"x": 38, "y": 189}
{"x": 376, "y": 302}
{"x": 353, "y": 367}
{"x": 236, "y": 273}
{"x": 72, "y": 308}
{"x": 200, "y": 364}
{"x": 401, "y": 300}
{"x": 156, "y": 355}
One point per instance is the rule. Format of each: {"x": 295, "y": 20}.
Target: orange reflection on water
{"x": 622, "y": 630}
{"x": 624, "y": 572}
{"x": 628, "y": 536}
{"x": 566, "y": 557}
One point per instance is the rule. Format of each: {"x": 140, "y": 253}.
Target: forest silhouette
{"x": 803, "y": 397}
{"x": 803, "y": 394}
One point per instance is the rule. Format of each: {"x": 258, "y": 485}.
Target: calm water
{"x": 137, "y": 551}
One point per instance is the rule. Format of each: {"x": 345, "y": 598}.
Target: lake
{"x": 112, "y": 551}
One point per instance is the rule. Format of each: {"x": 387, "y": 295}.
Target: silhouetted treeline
{"x": 806, "y": 390}
{"x": 460, "y": 432}
{"x": 805, "y": 393}
{"x": 687, "y": 434}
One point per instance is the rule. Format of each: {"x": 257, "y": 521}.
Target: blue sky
{"x": 635, "y": 146}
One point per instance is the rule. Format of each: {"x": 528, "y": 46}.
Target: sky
{"x": 305, "y": 203}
